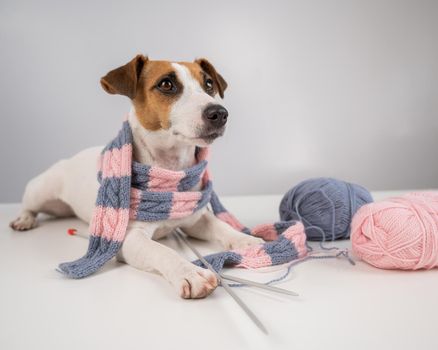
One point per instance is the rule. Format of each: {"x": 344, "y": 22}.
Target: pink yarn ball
{"x": 398, "y": 233}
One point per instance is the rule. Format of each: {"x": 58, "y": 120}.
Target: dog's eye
{"x": 166, "y": 85}
{"x": 209, "y": 84}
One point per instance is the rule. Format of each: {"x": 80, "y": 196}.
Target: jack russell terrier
{"x": 176, "y": 107}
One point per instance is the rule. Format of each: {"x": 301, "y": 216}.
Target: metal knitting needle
{"x": 258, "y": 285}
{"x": 224, "y": 284}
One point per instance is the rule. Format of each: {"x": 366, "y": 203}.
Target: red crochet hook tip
{"x": 72, "y": 231}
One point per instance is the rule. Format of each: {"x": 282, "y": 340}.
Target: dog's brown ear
{"x": 123, "y": 80}
{"x": 208, "y": 68}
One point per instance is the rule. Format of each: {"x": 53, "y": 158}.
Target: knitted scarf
{"x": 131, "y": 190}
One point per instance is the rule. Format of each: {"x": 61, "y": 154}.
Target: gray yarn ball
{"x": 325, "y": 206}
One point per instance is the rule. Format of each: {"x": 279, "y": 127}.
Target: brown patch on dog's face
{"x": 219, "y": 82}
{"x": 152, "y": 102}
{"x": 147, "y": 84}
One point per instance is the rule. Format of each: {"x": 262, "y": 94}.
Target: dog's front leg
{"x": 146, "y": 254}
{"x": 209, "y": 227}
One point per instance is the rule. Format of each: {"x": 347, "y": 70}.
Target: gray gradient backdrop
{"x": 316, "y": 88}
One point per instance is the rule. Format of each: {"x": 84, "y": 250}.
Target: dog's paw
{"x": 25, "y": 221}
{"x": 241, "y": 241}
{"x": 195, "y": 282}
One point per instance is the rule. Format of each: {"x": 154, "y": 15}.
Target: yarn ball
{"x": 398, "y": 233}
{"x": 325, "y": 206}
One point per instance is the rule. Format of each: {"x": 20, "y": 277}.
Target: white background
{"x": 316, "y": 88}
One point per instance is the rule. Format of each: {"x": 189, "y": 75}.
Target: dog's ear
{"x": 208, "y": 68}
{"x": 124, "y": 80}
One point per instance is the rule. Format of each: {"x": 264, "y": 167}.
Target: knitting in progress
{"x": 322, "y": 209}
{"x": 289, "y": 246}
{"x": 130, "y": 190}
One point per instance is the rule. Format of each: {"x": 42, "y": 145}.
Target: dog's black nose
{"x": 215, "y": 116}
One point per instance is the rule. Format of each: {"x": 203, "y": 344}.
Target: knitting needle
{"x": 224, "y": 284}
{"x": 258, "y": 285}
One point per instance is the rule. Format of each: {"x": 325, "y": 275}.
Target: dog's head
{"x": 183, "y": 98}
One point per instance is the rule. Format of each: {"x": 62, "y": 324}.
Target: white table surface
{"x": 340, "y": 306}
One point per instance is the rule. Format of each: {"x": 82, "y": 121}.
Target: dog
{"x": 175, "y": 107}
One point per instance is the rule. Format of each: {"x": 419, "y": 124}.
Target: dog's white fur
{"x": 70, "y": 187}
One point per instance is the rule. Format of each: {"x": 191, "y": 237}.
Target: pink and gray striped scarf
{"x": 131, "y": 190}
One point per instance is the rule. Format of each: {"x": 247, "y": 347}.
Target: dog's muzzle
{"x": 215, "y": 116}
